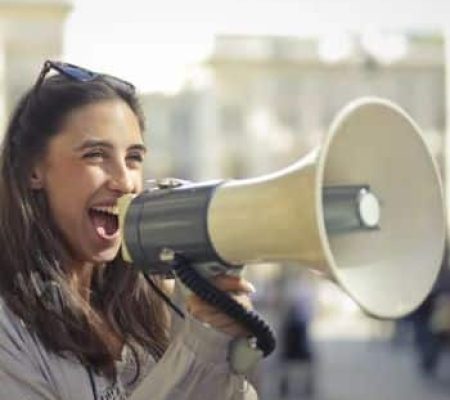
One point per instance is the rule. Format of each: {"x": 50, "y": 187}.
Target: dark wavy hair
{"x": 33, "y": 279}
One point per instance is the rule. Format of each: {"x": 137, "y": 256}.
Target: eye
{"x": 135, "y": 157}
{"x": 94, "y": 155}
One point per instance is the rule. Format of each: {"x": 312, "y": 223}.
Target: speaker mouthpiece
{"x": 365, "y": 210}
{"x": 368, "y": 209}
{"x": 350, "y": 207}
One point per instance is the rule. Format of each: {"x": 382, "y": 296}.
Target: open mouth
{"x": 105, "y": 221}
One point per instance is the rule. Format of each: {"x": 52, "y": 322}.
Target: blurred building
{"x": 31, "y": 31}
{"x": 259, "y": 103}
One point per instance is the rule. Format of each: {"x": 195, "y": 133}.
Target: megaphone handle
{"x": 265, "y": 338}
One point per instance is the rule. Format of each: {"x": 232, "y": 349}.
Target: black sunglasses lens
{"x": 113, "y": 81}
{"x": 78, "y": 74}
{"x": 82, "y": 75}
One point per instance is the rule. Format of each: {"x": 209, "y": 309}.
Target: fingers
{"x": 220, "y": 321}
{"x": 196, "y": 305}
{"x": 236, "y": 284}
{"x": 239, "y": 289}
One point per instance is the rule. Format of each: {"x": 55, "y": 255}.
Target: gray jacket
{"x": 194, "y": 367}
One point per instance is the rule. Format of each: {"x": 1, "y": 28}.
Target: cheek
{"x": 65, "y": 201}
{"x": 68, "y": 191}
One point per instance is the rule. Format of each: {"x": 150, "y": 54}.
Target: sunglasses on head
{"x": 80, "y": 74}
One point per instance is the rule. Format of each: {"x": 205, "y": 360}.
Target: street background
{"x": 242, "y": 88}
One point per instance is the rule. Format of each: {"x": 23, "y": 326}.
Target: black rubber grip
{"x": 265, "y": 338}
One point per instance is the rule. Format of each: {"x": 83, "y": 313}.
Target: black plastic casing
{"x": 174, "y": 219}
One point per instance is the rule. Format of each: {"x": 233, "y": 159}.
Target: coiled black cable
{"x": 265, "y": 338}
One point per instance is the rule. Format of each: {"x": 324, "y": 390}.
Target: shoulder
{"x": 13, "y": 330}
{"x": 17, "y": 342}
{"x": 28, "y": 364}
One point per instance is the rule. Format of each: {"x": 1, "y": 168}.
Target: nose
{"x": 121, "y": 180}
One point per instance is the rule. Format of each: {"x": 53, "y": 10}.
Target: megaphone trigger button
{"x": 170, "y": 183}
{"x": 166, "y": 255}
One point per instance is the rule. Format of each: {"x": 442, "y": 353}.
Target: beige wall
{"x": 30, "y": 32}
{"x": 270, "y": 100}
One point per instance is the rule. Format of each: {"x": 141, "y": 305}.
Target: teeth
{"x": 114, "y": 210}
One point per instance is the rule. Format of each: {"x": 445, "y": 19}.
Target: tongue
{"x": 105, "y": 224}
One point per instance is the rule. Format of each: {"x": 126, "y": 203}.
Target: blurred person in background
{"x": 297, "y": 355}
{"x": 76, "y": 321}
{"x": 431, "y": 323}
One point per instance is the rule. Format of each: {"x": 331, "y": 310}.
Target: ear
{"x": 37, "y": 179}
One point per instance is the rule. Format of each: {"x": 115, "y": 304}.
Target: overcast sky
{"x": 154, "y": 42}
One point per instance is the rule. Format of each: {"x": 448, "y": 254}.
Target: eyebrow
{"x": 90, "y": 143}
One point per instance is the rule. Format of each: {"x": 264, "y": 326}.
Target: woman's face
{"x": 94, "y": 159}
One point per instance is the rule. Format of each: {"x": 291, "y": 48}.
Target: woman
{"x": 76, "y": 322}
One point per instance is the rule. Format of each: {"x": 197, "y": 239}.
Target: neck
{"x": 81, "y": 277}
{"x": 80, "y": 280}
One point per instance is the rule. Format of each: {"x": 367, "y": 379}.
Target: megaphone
{"x": 365, "y": 210}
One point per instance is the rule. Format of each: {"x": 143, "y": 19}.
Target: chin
{"x": 105, "y": 256}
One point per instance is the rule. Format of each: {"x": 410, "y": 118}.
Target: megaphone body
{"x": 365, "y": 210}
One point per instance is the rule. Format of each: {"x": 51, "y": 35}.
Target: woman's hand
{"x": 239, "y": 289}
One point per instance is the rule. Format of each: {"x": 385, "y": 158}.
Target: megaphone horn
{"x": 365, "y": 210}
